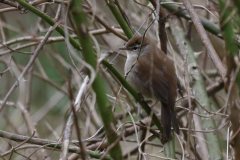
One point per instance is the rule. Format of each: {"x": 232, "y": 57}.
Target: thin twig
{"x": 30, "y": 63}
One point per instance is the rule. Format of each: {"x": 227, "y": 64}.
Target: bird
{"x": 152, "y": 74}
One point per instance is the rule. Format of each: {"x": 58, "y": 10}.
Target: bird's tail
{"x": 168, "y": 119}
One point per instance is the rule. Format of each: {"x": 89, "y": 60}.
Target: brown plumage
{"x": 153, "y": 76}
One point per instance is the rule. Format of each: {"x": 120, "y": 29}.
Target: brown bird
{"x": 151, "y": 73}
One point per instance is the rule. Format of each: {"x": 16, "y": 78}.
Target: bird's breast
{"x": 132, "y": 72}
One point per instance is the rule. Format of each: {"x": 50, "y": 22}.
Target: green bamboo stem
{"x": 199, "y": 89}
{"x": 119, "y": 17}
{"x": 89, "y": 56}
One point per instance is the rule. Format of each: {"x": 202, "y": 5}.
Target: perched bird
{"x": 152, "y": 74}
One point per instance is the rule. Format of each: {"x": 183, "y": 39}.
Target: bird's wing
{"x": 147, "y": 71}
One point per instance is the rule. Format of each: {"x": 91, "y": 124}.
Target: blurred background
{"x": 41, "y": 100}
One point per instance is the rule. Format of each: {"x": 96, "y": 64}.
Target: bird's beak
{"x": 123, "y": 48}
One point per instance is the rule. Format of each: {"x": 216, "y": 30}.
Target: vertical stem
{"x": 170, "y": 147}
{"x": 89, "y": 56}
{"x": 119, "y": 17}
{"x": 198, "y": 88}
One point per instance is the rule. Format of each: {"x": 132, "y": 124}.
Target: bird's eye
{"x": 135, "y": 48}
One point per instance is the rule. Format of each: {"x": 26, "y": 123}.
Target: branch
{"x": 52, "y": 144}
{"x": 206, "y": 42}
